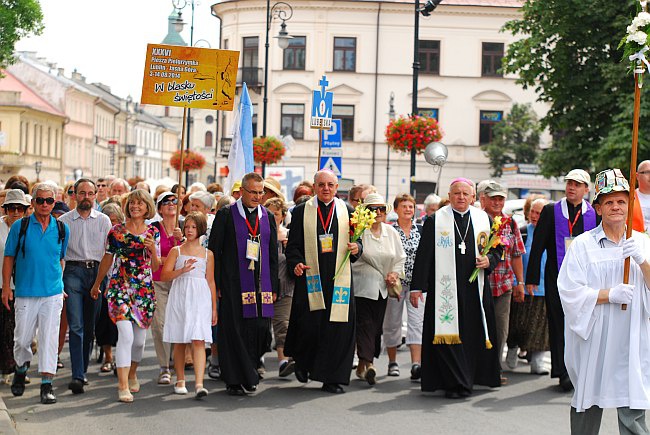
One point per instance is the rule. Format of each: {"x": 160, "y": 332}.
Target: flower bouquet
{"x": 361, "y": 220}
{"x": 635, "y": 42}
{"x": 404, "y": 133}
{"x": 268, "y": 150}
{"x": 493, "y": 241}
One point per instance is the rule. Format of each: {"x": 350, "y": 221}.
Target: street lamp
{"x": 426, "y": 11}
{"x": 282, "y": 11}
{"x": 391, "y": 116}
{"x": 436, "y": 154}
{"x": 37, "y": 168}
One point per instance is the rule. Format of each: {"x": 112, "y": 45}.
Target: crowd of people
{"x": 219, "y": 277}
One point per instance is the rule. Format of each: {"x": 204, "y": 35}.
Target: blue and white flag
{"x": 240, "y": 158}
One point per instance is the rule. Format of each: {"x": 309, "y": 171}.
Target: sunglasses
{"x": 376, "y": 208}
{"x": 40, "y": 201}
{"x": 12, "y": 207}
{"x": 102, "y": 185}
{"x": 169, "y": 201}
{"x": 70, "y": 192}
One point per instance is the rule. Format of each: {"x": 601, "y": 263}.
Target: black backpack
{"x": 24, "y": 223}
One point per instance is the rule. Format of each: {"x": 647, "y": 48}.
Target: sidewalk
{"x": 7, "y": 425}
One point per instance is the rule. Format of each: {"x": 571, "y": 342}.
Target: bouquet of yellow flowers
{"x": 361, "y": 220}
{"x": 492, "y": 242}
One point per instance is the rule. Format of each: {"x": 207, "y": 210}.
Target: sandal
{"x": 200, "y": 392}
{"x": 165, "y": 378}
{"x": 124, "y": 396}
{"x": 59, "y": 364}
{"x": 134, "y": 385}
{"x": 107, "y": 367}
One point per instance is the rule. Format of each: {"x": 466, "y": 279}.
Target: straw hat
{"x": 274, "y": 186}
{"x": 377, "y": 199}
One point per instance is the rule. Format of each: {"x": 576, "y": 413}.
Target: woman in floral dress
{"x": 130, "y": 294}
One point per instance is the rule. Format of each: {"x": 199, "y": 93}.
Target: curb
{"x": 7, "y": 425}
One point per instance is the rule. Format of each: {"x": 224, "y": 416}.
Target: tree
{"x": 568, "y": 53}
{"x": 515, "y": 139}
{"x": 18, "y": 18}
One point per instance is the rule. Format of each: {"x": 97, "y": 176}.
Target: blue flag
{"x": 240, "y": 158}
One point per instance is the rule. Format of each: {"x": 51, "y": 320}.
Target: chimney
{"x": 76, "y": 76}
{"x": 61, "y": 72}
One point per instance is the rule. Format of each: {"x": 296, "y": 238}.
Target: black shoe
{"x": 250, "y": 388}
{"x": 286, "y": 368}
{"x": 235, "y": 390}
{"x": 302, "y": 375}
{"x": 452, "y": 394}
{"x": 77, "y": 386}
{"x": 416, "y": 372}
{"x": 86, "y": 381}
{"x": 47, "y": 395}
{"x": 18, "y": 384}
{"x": 371, "y": 375}
{"x": 565, "y": 382}
{"x": 333, "y": 388}
{"x": 214, "y": 371}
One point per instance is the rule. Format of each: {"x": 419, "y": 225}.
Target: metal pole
{"x": 266, "y": 74}
{"x": 180, "y": 169}
{"x": 416, "y": 70}
{"x": 189, "y": 111}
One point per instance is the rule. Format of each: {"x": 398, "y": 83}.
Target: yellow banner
{"x": 190, "y": 77}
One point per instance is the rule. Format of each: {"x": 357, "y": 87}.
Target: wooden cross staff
{"x": 639, "y": 70}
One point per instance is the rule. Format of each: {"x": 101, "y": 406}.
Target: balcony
{"x": 225, "y": 145}
{"x": 253, "y": 76}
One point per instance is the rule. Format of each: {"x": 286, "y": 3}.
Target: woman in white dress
{"x": 192, "y": 305}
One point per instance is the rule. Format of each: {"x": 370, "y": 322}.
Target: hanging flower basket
{"x": 404, "y": 133}
{"x": 191, "y": 162}
{"x": 268, "y": 150}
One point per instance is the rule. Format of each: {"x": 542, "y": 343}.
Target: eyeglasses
{"x": 376, "y": 208}
{"x": 40, "y": 201}
{"x": 82, "y": 194}
{"x": 102, "y": 185}
{"x": 254, "y": 192}
{"x": 14, "y": 207}
{"x": 643, "y": 172}
{"x": 169, "y": 201}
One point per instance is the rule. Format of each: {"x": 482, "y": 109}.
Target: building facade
{"x": 366, "y": 50}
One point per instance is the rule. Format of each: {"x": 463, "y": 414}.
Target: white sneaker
{"x": 537, "y": 366}
{"x": 511, "y": 358}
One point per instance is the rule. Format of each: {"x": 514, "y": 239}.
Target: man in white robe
{"x": 607, "y": 351}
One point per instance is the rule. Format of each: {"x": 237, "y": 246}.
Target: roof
{"x": 480, "y": 3}
{"x": 28, "y": 97}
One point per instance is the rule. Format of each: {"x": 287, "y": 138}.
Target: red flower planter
{"x": 268, "y": 150}
{"x": 404, "y": 133}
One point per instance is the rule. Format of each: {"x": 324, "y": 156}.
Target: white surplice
{"x": 607, "y": 350}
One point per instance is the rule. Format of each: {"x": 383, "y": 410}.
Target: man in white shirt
{"x": 642, "y": 216}
{"x": 607, "y": 349}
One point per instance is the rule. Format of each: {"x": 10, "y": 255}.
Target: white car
{"x": 515, "y": 208}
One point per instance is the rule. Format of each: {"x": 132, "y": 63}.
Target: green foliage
{"x": 18, "y": 18}
{"x": 569, "y": 55}
{"x": 515, "y": 139}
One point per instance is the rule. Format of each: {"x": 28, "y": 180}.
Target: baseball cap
{"x": 495, "y": 189}
{"x": 162, "y": 197}
{"x": 579, "y": 175}
{"x": 480, "y": 187}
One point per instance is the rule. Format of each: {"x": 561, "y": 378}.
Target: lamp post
{"x": 436, "y": 154}
{"x": 179, "y": 5}
{"x": 37, "y": 168}
{"x": 282, "y": 11}
{"x": 429, "y": 7}
{"x": 391, "y": 116}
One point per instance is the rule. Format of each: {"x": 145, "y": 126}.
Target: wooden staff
{"x": 180, "y": 171}
{"x": 635, "y": 142}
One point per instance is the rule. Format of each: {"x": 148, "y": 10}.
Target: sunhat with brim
{"x": 16, "y": 196}
{"x": 236, "y": 186}
{"x": 377, "y": 199}
{"x": 609, "y": 181}
{"x": 274, "y": 186}
{"x": 162, "y": 197}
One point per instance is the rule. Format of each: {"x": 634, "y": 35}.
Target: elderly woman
{"x": 170, "y": 236}
{"x": 381, "y": 265}
{"x": 204, "y": 202}
{"x": 14, "y": 208}
{"x": 130, "y": 293}
{"x": 105, "y": 329}
{"x": 409, "y": 234}
{"x": 528, "y": 328}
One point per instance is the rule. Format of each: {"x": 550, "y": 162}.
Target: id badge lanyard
{"x": 327, "y": 239}
{"x": 568, "y": 240}
{"x": 253, "y": 243}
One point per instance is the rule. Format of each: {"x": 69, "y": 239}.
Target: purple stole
{"x": 247, "y": 276}
{"x": 562, "y": 228}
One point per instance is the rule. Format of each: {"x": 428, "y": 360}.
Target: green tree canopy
{"x": 515, "y": 139}
{"x": 568, "y": 54}
{"x": 18, "y": 18}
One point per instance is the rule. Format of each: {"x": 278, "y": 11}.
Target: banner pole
{"x": 180, "y": 170}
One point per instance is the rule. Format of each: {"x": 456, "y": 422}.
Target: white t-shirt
{"x": 644, "y": 200}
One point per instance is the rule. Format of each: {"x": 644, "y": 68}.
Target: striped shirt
{"x": 87, "y": 236}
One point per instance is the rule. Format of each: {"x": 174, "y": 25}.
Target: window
{"x": 250, "y": 59}
{"x": 225, "y": 44}
{"x": 429, "y": 57}
{"x": 254, "y": 120}
{"x": 431, "y": 113}
{"x": 488, "y": 120}
{"x": 293, "y": 120}
{"x": 345, "y": 54}
{"x": 294, "y": 54}
{"x": 492, "y": 55}
{"x": 208, "y": 139}
{"x": 346, "y": 115}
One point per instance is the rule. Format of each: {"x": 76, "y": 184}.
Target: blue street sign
{"x": 332, "y": 138}
{"x": 321, "y": 106}
{"x": 332, "y": 148}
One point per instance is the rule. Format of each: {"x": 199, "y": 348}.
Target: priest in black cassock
{"x": 244, "y": 242}
{"x": 459, "y": 322}
{"x": 321, "y": 333}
